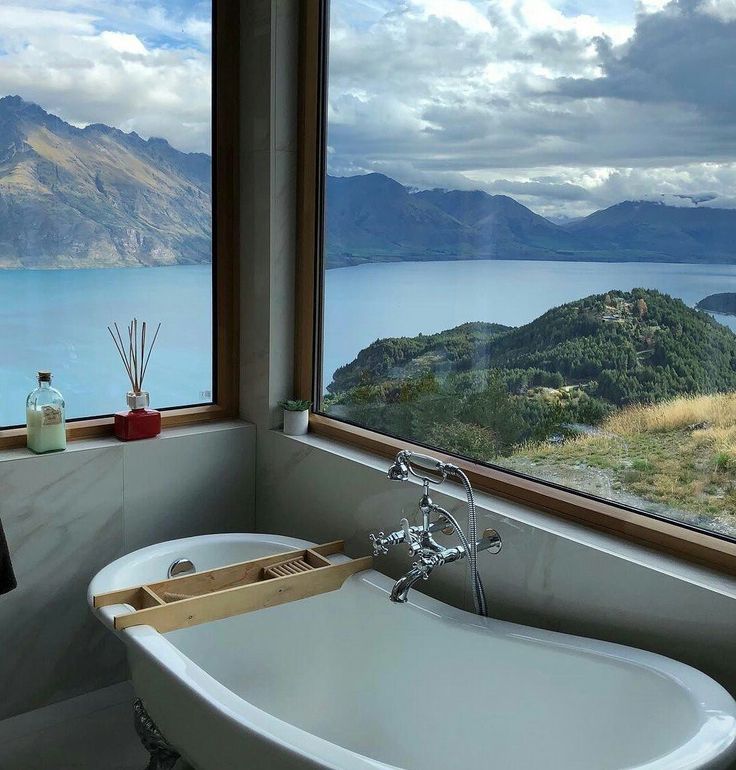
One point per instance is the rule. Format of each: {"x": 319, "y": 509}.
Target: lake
{"x": 57, "y": 320}
{"x": 400, "y": 299}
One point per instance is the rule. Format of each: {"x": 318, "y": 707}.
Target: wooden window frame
{"x": 226, "y": 243}
{"x": 680, "y": 540}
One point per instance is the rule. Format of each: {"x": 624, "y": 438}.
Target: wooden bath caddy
{"x": 188, "y": 600}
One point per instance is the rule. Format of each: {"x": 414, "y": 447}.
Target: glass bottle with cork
{"x": 45, "y": 419}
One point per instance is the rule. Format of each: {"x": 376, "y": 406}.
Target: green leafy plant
{"x": 724, "y": 462}
{"x": 295, "y": 405}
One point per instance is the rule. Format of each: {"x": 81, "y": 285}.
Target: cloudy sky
{"x": 566, "y": 105}
{"x": 139, "y": 65}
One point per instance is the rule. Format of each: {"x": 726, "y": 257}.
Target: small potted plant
{"x": 296, "y": 416}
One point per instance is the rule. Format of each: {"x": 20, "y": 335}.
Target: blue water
{"x": 57, "y": 320}
{"x": 398, "y": 299}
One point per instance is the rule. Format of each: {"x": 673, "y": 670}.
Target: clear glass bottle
{"x": 46, "y": 425}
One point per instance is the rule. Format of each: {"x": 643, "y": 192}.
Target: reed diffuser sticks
{"x": 134, "y": 355}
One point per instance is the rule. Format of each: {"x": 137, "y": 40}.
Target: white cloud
{"x": 567, "y": 110}
{"x": 15, "y": 20}
{"x": 131, "y": 65}
{"x": 465, "y": 13}
{"x": 723, "y": 10}
{"x": 123, "y": 43}
{"x": 651, "y": 6}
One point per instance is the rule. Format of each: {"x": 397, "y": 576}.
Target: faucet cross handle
{"x": 379, "y": 543}
{"x": 424, "y": 567}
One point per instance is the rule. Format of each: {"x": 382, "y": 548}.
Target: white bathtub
{"x": 349, "y": 680}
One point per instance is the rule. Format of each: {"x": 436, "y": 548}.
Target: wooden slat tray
{"x": 188, "y": 600}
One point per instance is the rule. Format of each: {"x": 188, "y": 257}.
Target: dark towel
{"x": 7, "y": 578}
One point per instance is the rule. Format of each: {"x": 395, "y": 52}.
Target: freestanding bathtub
{"x": 348, "y": 680}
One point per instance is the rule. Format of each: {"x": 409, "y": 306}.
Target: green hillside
{"x": 505, "y": 386}
{"x": 625, "y": 395}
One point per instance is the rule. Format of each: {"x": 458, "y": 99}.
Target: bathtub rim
{"x": 714, "y": 701}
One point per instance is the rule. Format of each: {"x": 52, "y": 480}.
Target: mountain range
{"x": 96, "y": 196}
{"x": 99, "y": 197}
{"x": 374, "y": 218}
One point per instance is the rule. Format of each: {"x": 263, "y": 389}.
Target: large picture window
{"x": 529, "y": 245}
{"x": 106, "y": 199}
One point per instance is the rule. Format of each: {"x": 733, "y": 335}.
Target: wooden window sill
{"x": 102, "y": 427}
{"x": 668, "y": 537}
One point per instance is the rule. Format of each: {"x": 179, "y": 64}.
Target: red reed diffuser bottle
{"x": 139, "y": 421}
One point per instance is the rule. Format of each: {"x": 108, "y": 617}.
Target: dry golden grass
{"x": 576, "y": 445}
{"x": 722, "y": 444}
{"x": 718, "y": 411}
{"x": 716, "y": 437}
{"x": 655, "y": 453}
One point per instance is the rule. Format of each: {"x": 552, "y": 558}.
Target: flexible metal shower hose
{"x": 479, "y": 595}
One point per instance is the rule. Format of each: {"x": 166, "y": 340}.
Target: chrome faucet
{"x": 419, "y": 540}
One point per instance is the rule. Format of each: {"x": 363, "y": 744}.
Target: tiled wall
{"x": 67, "y": 515}
{"x": 550, "y": 573}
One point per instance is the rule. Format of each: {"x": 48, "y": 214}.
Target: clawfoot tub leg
{"x": 163, "y": 756}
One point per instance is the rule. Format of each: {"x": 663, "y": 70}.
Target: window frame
{"x": 680, "y": 540}
{"x": 225, "y": 244}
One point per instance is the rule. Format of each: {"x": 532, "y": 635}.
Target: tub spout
{"x": 400, "y": 591}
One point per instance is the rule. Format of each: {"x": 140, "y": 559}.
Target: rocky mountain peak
{"x": 97, "y": 196}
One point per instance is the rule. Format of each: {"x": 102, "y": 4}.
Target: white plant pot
{"x": 296, "y": 423}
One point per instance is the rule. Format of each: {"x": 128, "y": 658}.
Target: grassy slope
{"x": 678, "y": 454}
{"x": 489, "y": 392}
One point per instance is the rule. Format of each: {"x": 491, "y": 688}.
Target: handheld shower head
{"x": 408, "y": 463}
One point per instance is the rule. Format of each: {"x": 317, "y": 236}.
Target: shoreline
{"x": 591, "y": 261}
{"x": 4, "y": 270}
